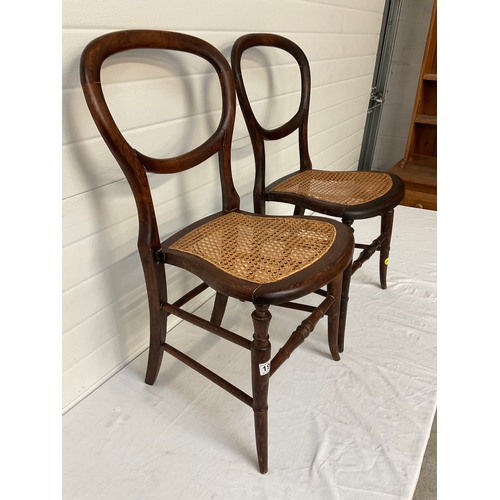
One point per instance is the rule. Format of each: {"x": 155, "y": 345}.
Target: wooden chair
{"x": 260, "y": 259}
{"x": 348, "y": 195}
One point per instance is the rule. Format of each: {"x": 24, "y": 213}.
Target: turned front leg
{"x": 260, "y": 359}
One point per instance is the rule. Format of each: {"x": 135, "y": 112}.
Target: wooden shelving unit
{"x": 418, "y": 168}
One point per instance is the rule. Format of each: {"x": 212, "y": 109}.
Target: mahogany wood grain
{"x": 346, "y": 281}
{"x": 332, "y": 269}
{"x": 261, "y": 354}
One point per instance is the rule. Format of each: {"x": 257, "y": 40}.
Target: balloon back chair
{"x": 265, "y": 260}
{"x": 346, "y": 195}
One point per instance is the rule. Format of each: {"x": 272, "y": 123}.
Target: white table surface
{"x": 349, "y": 430}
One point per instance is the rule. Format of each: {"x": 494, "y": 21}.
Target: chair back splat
{"x": 348, "y": 195}
{"x": 259, "y": 134}
{"x": 263, "y": 260}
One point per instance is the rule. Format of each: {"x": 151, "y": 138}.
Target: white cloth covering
{"x": 349, "y": 430}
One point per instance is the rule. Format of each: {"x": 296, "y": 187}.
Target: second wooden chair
{"x": 347, "y": 195}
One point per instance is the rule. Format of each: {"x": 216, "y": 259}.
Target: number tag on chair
{"x": 264, "y": 368}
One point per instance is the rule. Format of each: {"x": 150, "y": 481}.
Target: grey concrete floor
{"x": 427, "y": 483}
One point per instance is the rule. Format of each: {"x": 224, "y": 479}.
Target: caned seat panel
{"x": 343, "y": 188}
{"x": 259, "y": 249}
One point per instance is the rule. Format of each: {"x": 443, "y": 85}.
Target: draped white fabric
{"x": 349, "y": 430}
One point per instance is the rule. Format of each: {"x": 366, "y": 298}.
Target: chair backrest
{"x": 134, "y": 164}
{"x": 259, "y": 134}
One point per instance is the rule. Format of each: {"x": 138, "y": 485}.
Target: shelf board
{"x": 420, "y": 178}
{"x": 419, "y": 172}
{"x": 426, "y": 119}
{"x": 431, "y": 76}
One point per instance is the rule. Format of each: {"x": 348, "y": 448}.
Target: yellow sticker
{"x": 386, "y": 261}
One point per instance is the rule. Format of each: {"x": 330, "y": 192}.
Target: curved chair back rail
{"x": 300, "y": 118}
{"x": 135, "y": 164}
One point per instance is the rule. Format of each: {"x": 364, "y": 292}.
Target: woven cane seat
{"x": 259, "y": 249}
{"x": 343, "y": 188}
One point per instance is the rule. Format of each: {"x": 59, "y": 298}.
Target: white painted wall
{"x": 105, "y": 317}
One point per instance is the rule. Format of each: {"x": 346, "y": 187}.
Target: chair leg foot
{"x": 260, "y": 356}
{"x": 261, "y": 437}
{"x": 346, "y": 282}
{"x": 157, "y": 337}
{"x": 385, "y": 227}
{"x": 154, "y": 363}
{"x": 334, "y": 288}
{"x": 156, "y": 286}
